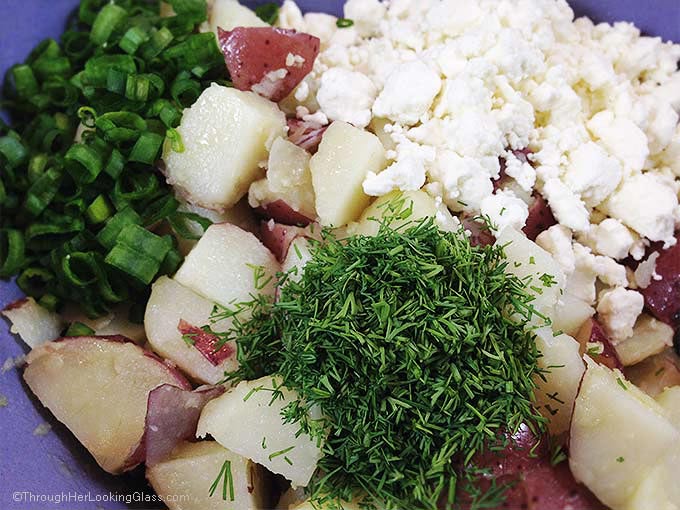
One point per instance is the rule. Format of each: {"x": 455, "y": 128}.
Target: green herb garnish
{"x": 409, "y": 343}
{"x": 77, "y": 215}
{"x": 227, "y": 479}
{"x": 269, "y": 12}
{"x": 344, "y": 23}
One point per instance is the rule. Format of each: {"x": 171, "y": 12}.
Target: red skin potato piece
{"x": 250, "y": 53}
{"x": 540, "y": 218}
{"x": 307, "y": 135}
{"x": 479, "y": 234}
{"x": 281, "y": 212}
{"x": 16, "y": 304}
{"x": 535, "y": 483}
{"x": 278, "y": 237}
{"x": 593, "y": 331}
{"x": 662, "y": 297}
{"x": 206, "y": 343}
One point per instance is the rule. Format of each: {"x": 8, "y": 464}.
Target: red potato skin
{"x": 307, "y": 135}
{"x": 278, "y": 237}
{"x": 479, "y": 234}
{"x": 205, "y": 343}
{"x": 662, "y": 297}
{"x": 540, "y": 218}
{"x": 282, "y": 213}
{"x": 16, "y": 304}
{"x": 535, "y": 483}
{"x": 171, "y": 417}
{"x": 593, "y": 331}
{"x": 250, "y": 53}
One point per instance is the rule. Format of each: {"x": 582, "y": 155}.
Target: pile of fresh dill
{"x": 408, "y": 344}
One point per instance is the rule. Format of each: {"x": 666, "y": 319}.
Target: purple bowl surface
{"x": 54, "y": 471}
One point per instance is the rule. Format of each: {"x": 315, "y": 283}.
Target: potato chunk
{"x": 193, "y": 468}
{"x": 225, "y": 136}
{"x": 345, "y": 157}
{"x": 247, "y": 420}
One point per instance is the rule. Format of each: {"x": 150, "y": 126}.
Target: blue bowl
{"x": 54, "y": 470}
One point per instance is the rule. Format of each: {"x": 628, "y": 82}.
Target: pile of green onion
{"x": 77, "y": 217}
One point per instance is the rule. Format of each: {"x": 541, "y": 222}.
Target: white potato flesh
{"x": 116, "y": 322}
{"x": 229, "y": 266}
{"x": 98, "y": 388}
{"x": 659, "y": 490}
{"x": 169, "y": 303}
{"x": 529, "y": 261}
{"x": 229, "y": 14}
{"x": 191, "y": 471}
{"x": 226, "y": 136}
{"x": 346, "y": 155}
{"x": 618, "y": 436}
{"x": 247, "y": 420}
{"x": 669, "y": 399}
{"x": 421, "y": 203}
{"x": 650, "y": 337}
{"x": 556, "y": 394}
{"x": 299, "y": 253}
{"x": 656, "y": 373}
{"x": 33, "y": 323}
{"x": 289, "y": 179}
{"x": 240, "y": 215}
{"x": 571, "y": 313}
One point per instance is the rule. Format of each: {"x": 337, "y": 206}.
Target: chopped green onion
{"x": 79, "y": 329}
{"x": 106, "y": 23}
{"x": 11, "y": 252}
{"x": 269, "y": 12}
{"x": 83, "y": 163}
{"x": 344, "y": 23}
{"x": 99, "y": 210}
{"x": 147, "y": 148}
{"x": 43, "y": 191}
{"x": 115, "y": 225}
{"x": 133, "y": 39}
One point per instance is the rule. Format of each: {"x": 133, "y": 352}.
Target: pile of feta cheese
{"x": 455, "y": 89}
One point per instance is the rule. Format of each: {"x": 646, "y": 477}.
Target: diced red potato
{"x": 286, "y": 194}
{"x": 662, "y": 297}
{"x": 170, "y": 303}
{"x": 593, "y": 333}
{"x": 229, "y": 266}
{"x": 278, "y": 237}
{"x": 208, "y": 344}
{"x": 34, "y": 324}
{"x": 298, "y": 255}
{"x": 540, "y": 218}
{"x": 650, "y": 337}
{"x": 305, "y": 134}
{"x": 525, "y": 462}
{"x": 480, "y": 235}
{"x": 622, "y": 442}
{"x": 171, "y": 417}
{"x": 98, "y": 387}
{"x": 191, "y": 471}
{"x": 656, "y": 373}
{"x": 229, "y": 14}
{"x": 252, "y": 53}
{"x": 281, "y": 212}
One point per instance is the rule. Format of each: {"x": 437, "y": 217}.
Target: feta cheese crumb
{"x": 293, "y": 60}
{"x": 408, "y": 93}
{"x": 347, "y": 96}
{"x": 592, "y": 174}
{"x": 646, "y": 271}
{"x": 618, "y": 310}
{"x": 504, "y": 209}
{"x": 610, "y": 238}
{"x": 568, "y": 208}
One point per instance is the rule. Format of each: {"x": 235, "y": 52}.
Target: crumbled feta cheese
{"x": 566, "y": 206}
{"x": 347, "y": 96}
{"x": 366, "y": 15}
{"x": 610, "y": 238}
{"x": 523, "y": 173}
{"x": 622, "y": 138}
{"x": 618, "y": 310}
{"x": 269, "y": 83}
{"x": 408, "y": 93}
{"x": 557, "y": 241}
{"x": 592, "y": 174}
{"x": 646, "y": 271}
{"x": 504, "y": 209}
{"x": 293, "y": 60}
{"x": 647, "y": 205}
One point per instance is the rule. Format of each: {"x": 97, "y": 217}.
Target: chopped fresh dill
{"x": 227, "y": 479}
{"x": 280, "y": 452}
{"x": 620, "y": 460}
{"x": 621, "y": 383}
{"x": 413, "y": 344}
{"x": 264, "y": 443}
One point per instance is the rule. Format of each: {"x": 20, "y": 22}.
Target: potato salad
{"x": 423, "y": 256}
